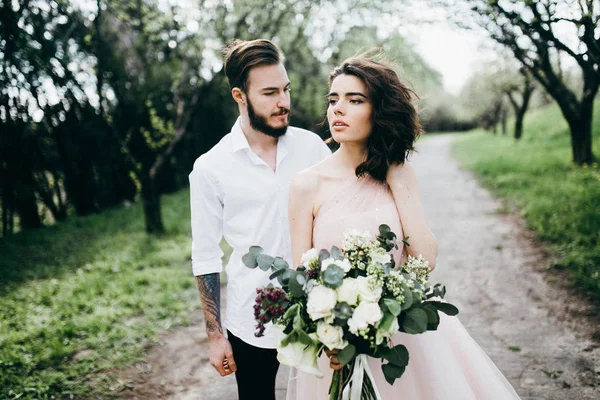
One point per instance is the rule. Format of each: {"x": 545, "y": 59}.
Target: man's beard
{"x": 259, "y": 123}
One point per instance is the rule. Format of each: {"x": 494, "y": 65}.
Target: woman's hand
{"x": 334, "y": 363}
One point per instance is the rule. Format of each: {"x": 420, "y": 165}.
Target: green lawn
{"x": 536, "y": 177}
{"x": 86, "y": 295}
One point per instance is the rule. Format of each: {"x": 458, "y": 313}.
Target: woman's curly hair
{"x": 395, "y": 119}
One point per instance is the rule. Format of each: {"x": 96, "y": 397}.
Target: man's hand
{"x": 221, "y": 356}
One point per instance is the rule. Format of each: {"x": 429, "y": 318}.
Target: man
{"x": 239, "y": 191}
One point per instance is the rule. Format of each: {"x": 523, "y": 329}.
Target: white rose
{"x": 368, "y": 289}
{"x": 367, "y": 313}
{"x": 308, "y": 257}
{"x": 321, "y": 301}
{"x": 343, "y": 264}
{"x": 348, "y": 291}
{"x": 299, "y": 356}
{"x": 378, "y": 257}
{"x": 331, "y": 336}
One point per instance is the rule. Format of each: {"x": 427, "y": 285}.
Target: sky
{"x": 455, "y": 52}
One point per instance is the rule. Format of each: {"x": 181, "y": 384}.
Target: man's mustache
{"x": 282, "y": 111}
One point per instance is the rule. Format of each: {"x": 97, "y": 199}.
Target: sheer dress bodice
{"x": 444, "y": 364}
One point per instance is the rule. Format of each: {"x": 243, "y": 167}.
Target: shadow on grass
{"x": 52, "y": 251}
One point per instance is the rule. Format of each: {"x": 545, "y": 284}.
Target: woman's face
{"x": 349, "y": 112}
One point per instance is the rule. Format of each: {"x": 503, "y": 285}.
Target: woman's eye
{"x": 355, "y": 101}
{"x": 332, "y": 102}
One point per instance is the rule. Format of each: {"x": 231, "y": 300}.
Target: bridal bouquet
{"x": 350, "y": 301}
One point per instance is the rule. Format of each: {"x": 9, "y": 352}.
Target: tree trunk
{"x": 4, "y": 200}
{"x": 581, "y": 140}
{"x": 579, "y": 117}
{"x": 151, "y": 204}
{"x": 26, "y": 206}
{"x": 519, "y": 116}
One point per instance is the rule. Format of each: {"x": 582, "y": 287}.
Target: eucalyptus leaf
{"x": 284, "y": 278}
{"x": 386, "y": 321}
{"x": 264, "y": 261}
{"x": 392, "y": 306}
{"x": 249, "y": 259}
{"x": 398, "y": 356}
{"x": 388, "y": 267}
{"x": 405, "y": 241}
{"x": 432, "y": 314}
{"x": 296, "y": 288}
{"x": 408, "y": 298}
{"x": 301, "y": 279}
{"x": 323, "y": 255}
{"x": 392, "y": 372}
{"x": 383, "y": 229}
{"x": 336, "y": 253}
{"x": 446, "y": 308}
{"x": 415, "y": 321}
{"x": 342, "y": 312}
{"x": 278, "y": 273}
{"x": 280, "y": 263}
{"x": 347, "y": 354}
{"x": 333, "y": 276}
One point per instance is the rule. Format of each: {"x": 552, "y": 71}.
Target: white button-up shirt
{"x": 234, "y": 194}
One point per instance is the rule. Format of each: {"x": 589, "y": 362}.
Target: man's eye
{"x": 269, "y": 93}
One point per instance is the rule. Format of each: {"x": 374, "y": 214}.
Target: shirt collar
{"x": 239, "y": 141}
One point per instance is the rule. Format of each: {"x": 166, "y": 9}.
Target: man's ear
{"x": 238, "y": 95}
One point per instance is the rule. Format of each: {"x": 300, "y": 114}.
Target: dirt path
{"x": 535, "y": 333}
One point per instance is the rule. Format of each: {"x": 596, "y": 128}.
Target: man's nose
{"x": 284, "y": 100}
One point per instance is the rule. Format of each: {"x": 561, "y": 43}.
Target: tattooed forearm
{"x": 210, "y": 296}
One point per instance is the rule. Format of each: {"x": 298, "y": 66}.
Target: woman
{"x": 368, "y": 182}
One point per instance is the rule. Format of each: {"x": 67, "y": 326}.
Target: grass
{"x": 536, "y": 177}
{"x": 87, "y": 295}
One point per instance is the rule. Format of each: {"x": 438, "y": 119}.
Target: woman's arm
{"x": 301, "y": 213}
{"x": 403, "y": 182}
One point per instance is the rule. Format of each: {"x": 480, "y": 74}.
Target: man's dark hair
{"x": 243, "y": 55}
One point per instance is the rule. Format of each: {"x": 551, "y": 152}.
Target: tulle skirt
{"x": 446, "y": 364}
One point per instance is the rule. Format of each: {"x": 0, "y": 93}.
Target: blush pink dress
{"x": 446, "y": 364}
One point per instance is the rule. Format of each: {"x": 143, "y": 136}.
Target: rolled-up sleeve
{"x": 207, "y": 221}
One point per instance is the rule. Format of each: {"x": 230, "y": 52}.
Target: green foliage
{"x": 333, "y": 276}
{"x": 85, "y": 296}
{"x": 558, "y": 200}
{"x": 347, "y": 354}
{"x": 414, "y": 321}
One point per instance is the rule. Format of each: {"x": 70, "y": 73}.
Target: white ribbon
{"x": 353, "y": 389}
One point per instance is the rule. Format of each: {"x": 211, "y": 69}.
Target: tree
{"x": 483, "y": 98}
{"x": 530, "y": 29}
{"x": 519, "y": 95}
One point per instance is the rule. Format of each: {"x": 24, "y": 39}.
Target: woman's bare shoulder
{"x": 310, "y": 179}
